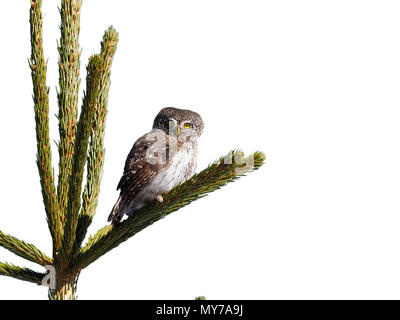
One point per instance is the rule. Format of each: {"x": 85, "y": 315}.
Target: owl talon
{"x": 160, "y": 198}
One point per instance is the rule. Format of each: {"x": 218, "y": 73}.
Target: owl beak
{"x": 177, "y": 131}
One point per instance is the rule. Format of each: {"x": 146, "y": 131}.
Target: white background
{"x": 314, "y": 84}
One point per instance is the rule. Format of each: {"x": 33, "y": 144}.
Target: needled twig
{"x": 218, "y": 174}
{"x": 68, "y": 65}
{"x": 96, "y": 148}
{"x": 25, "y": 274}
{"x": 24, "y": 250}
{"x": 38, "y": 68}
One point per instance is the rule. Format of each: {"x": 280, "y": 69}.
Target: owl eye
{"x": 171, "y": 123}
{"x": 187, "y": 125}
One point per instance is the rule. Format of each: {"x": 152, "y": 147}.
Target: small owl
{"x": 159, "y": 160}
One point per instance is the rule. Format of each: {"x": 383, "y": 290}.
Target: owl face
{"x": 184, "y": 124}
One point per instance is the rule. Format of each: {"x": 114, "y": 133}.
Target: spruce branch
{"x": 95, "y": 69}
{"x": 24, "y": 250}
{"x": 69, "y": 64}
{"x": 95, "y": 159}
{"x": 25, "y": 274}
{"x": 216, "y": 175}
{"x": 38, "y": 68}
{"x": 70, "y": 211}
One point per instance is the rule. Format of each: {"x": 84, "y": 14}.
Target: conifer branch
{"x": 38, "y": 68}
{"x": 95, "y": 159}
{"x": 69, "y": 64}
{"x": 218, "y": 174}
{"x": 95, "y": 69}
{"x": 69, "y": 210}
{"x": 25, "y": 274}
{"x": 24, "y": 250}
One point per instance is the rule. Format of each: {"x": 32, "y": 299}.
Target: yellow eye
{"x": 187, "y": 125}
{"x": 171, "y": 123}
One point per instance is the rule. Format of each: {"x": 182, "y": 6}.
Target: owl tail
{"x": 117, "y": 211}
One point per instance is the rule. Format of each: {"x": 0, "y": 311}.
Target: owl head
{"x": 184, "y": 124}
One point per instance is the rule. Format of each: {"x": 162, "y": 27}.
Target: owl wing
{"x": 141, "y": 166}
{"x": 138, "y": 170}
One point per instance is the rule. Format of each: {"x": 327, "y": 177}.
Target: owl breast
{"x": 182, "y": 165}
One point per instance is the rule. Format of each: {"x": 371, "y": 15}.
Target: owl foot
{"x": 160, "y": 198}
{"x": 130, "y": 211}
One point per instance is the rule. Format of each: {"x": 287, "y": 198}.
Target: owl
{"x": 159, "y": 160}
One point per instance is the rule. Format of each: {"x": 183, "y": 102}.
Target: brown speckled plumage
{"x": 159, "y": 160}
